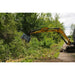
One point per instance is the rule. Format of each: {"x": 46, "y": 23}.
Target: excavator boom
{"x": 58, "y": 30}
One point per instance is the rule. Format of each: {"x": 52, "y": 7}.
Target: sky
{"x": 67, "y": 19}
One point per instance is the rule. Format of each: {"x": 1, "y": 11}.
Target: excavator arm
{"x": 58, "y": 30}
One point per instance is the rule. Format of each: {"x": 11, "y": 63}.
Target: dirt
{"x": 15, "y": 60}
{"x": 48, "y": 60}
{"x": 67, "y": 57}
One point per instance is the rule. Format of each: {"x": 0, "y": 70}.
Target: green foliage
{"x": 17, "y": 46}
{"x": 72, "y": 33}
{"x": 7, "y": 26}
{"x": 72, "y": 28}
{"x": 4, "y": 51}
{"x": 13, "y": 25}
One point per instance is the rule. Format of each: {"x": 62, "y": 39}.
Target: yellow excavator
{"x": 70, "y": 45}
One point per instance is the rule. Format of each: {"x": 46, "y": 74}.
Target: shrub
{"x": 46, "y": 42}
{"x": 34, "y": 43}
{"x": 4, "y": 51}
{"x": 17, "y": 46}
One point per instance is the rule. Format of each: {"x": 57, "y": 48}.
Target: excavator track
{"x": 68, "y": 48}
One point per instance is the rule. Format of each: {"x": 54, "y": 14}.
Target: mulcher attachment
{"x": 26, "y": 37}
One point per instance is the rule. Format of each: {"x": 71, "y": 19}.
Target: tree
{"x": 7, "y": 26}
{"x": 72, "y": 28}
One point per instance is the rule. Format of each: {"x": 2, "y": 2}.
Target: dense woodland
{"x": 12, "y": 27}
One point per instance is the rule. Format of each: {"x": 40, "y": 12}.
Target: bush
{"x": 34, "y": 43}
{"x": 17, "y": 46}
{"x": 4, "y": 51}
{"x": 15, "y": 49}
{"x": 46, "y": 42}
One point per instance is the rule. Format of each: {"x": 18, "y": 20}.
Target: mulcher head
{"x": 26, "y": 37}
